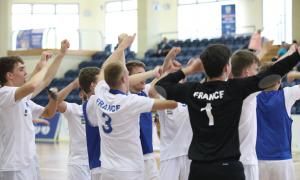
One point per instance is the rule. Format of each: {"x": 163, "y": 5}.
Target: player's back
{"x": 119, "y": 128}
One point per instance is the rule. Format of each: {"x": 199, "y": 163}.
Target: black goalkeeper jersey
{"x": 215, "y": 109}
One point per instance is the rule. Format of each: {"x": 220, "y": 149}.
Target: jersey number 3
{"x": 208, "y": 109}
{"x": 107, "y": 124}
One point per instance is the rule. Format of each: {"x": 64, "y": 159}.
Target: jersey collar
{"x": 116, "y": 91}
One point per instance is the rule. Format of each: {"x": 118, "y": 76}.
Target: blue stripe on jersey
{"x": 274, "y": 132}
{"x": 116, "y": 91}
{"x": 146, "y": 129}
{"x": 92, "y": 141}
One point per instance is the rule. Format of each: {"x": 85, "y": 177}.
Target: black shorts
{"x": 232, "y": 170}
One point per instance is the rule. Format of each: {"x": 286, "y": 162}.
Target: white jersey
{"x": 118, "y": 120}
{"x": 78, "y": 148}
{"x": 17, "y": 133}
{"x": 248, "y": 130}
{"x": 291, "y": 95}
{"x": 175, "y": 132}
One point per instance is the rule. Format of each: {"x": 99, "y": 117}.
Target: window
{"x": 277, "y": 26}
{"x": 120, "y": 17}
{"x": 200, "y": 18}
{"x": 48, "y": 17}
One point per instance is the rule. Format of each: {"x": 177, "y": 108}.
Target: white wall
{"x": 68, "y": 63}
{"x": 5, "y": 26}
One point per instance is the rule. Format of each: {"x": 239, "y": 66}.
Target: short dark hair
{"x": 7, "y": 64}
{"x": 87, "y": 76}
{"x": 214, "y": 59}
{"x": 132, "y": 64}
{"x": 241, "y": 60}
{"x": 113, "y": 73}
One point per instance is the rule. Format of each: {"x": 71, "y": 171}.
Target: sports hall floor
{"x": 53, "y": 161}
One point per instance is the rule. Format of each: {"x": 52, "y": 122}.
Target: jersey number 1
{"x": 208, "y": 109}
{"x": 107, "y": 124}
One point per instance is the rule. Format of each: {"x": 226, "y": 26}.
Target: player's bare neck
{"x": 10, "y": 84}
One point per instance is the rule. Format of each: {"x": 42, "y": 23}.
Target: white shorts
{"x": 29, "y": 173}
{"x": 76, "y": 172}
{"x": 151, "y": 170}
{"x": 176, "y": 169}
{"x": 121, "y": 175}
{"x": 277, "y": 170}
{"x": 96, "y": 173}
{"x": 251, "y": 172}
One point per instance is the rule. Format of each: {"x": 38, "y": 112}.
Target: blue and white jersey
{"x": 274, "y": 123}
{"x": 93, "y": 141}
{"x": 146, "y": 126}
{"x": 118, "y": 120}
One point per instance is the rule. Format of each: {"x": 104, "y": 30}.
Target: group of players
{"x": 236, "y": 125}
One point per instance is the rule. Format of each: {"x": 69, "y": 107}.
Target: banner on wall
{"x": 228, "y": 20}
{"x": 48, "y": 133}
{"x": 30, "y": 39}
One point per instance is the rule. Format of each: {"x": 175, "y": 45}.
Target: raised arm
{"x": 32, "y": 84}
{"x": 292, "y": 49}
{"x": 160, "y": 104}
{"x": 265, "y": 49}
{"x": 118, "y": 55}
{"x": 42, "y": 62}
{"x": 291, "y": 76}
{"x": 137, "y": 78}
{"x": 278, "y": 69}
{"x": 51, "y": 107}
{"x": 53, "y": 67}
{"x": 268, "y": 78}
{"x": 62, "y": 94}
{"x": 169, "y": 65}
{"x": 168, "y": 86}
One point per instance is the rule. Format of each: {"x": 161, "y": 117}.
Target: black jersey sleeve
{"x": 170, "y": 88}
{"x": 263, "y": 80}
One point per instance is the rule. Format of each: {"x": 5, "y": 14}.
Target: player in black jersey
{"x": 215, "y": 108}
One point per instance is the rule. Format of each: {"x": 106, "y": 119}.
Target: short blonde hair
{"x": 113, "y": 74}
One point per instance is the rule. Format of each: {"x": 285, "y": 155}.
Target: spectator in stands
{"x": 163, "y": 48}
{"x": 255, "y": 43}
{"x": 283, "y": 49}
